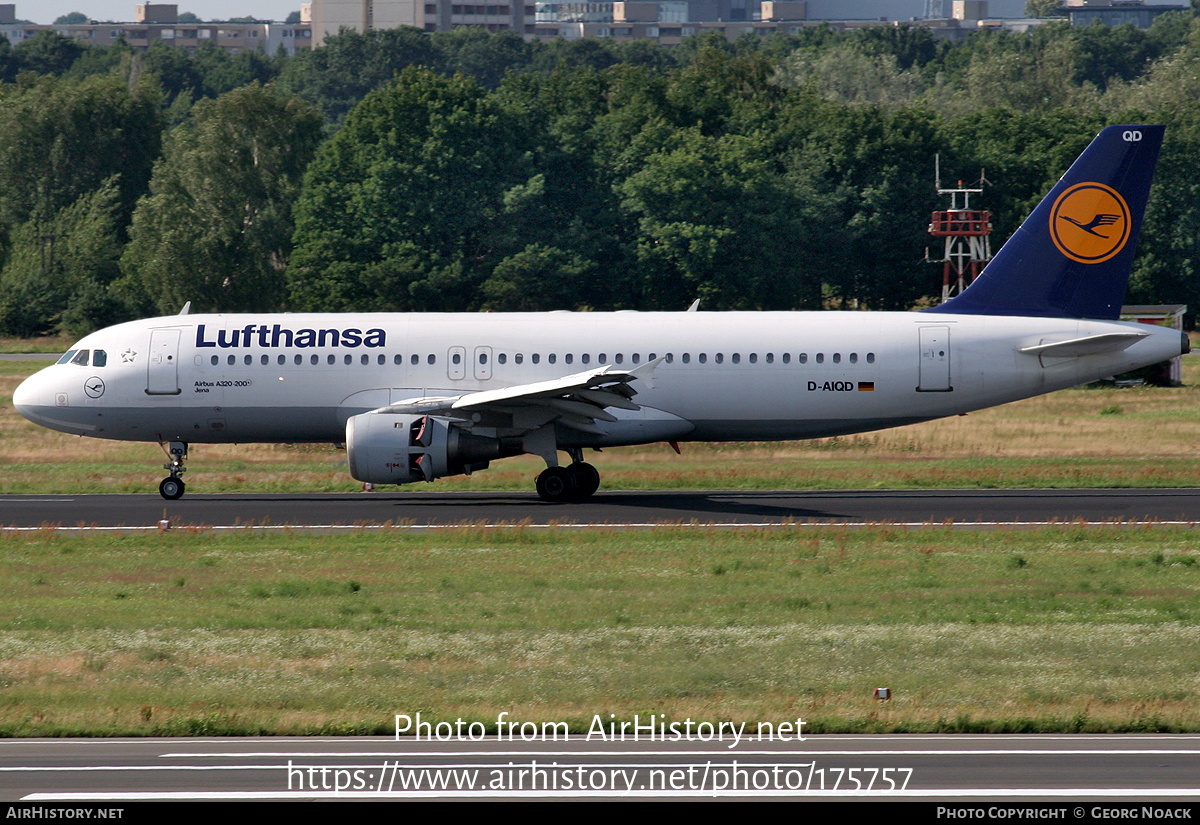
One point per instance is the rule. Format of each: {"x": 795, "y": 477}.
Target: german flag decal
{"x": 866, "y": 386}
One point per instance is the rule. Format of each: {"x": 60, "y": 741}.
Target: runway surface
{"x": 427, "y": 510}
{"x": 956, "y": 769}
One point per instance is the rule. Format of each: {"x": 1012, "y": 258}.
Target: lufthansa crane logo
{"x": 1090, "y": 223}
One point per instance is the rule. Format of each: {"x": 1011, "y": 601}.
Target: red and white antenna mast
{"x": 966, "y": 231}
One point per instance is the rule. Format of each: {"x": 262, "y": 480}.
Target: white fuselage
{"x": 726, "y": 376}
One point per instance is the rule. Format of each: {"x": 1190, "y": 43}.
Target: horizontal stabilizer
{"x": 1091, "y": 345}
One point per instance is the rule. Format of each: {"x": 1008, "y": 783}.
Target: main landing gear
{"x": 575, "y": 482}
{"x": 172, "y": 487}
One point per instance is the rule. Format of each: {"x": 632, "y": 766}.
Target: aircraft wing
{"x": 576, "y": 401}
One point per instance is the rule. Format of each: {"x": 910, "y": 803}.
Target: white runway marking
{"x": 945, "y": 793}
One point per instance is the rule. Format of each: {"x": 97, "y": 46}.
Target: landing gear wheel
{"x": 171, "y": 488}
{"x": 587, "y": 480}
{"x": 556, "y": 484}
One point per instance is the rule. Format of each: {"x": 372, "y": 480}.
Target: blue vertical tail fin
{"x": 1072, "y": 256}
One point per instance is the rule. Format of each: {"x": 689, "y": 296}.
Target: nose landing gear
{"x": 172, "y": 487}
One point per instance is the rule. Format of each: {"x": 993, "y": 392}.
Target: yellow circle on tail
{"x": 1090, "y": 223}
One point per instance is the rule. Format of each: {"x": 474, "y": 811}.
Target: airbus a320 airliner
{"x": 419, "y": 396}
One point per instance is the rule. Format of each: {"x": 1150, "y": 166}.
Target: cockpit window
{"x": 66, "y": 359}
{"x": 81, "y": 357}
{"x": 99, "y": 358}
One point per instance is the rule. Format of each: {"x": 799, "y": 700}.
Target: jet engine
{"x": 386, "y": 448}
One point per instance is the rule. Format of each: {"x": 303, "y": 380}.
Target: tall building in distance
{"x": 330, "y": 16}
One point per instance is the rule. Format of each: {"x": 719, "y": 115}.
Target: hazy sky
{"x": 45, "y": 11}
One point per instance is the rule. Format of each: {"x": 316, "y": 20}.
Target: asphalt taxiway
{"x": 955, "y": 769}
{"x": 968, "y": 508}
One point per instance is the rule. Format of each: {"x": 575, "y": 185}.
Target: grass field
{"x": 1066, "y": 629}
{"x": 196, "y": 633}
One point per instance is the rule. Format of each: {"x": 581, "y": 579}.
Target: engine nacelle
{"x": 383, "y": 448}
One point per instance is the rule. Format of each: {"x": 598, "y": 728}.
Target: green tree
{"x": 487, "y": 57}
{"x": 8, "y": 61}
{"x": 1167, "y": 268}
{"x": 177, "y": 72}
{"x": 223, "y": 72}
{"x": 48, "y": 52}
{"x": 538, "y": 278}
{"x": 63, "y": 138}
{"x": 338, "y": 75}
{"x": 216, "y": 228}
{"x": 1044, "y": 8}
{"x": 75, "y": 18}
{"x": 404, "y": 208}
{"x": 59, "y": 269}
